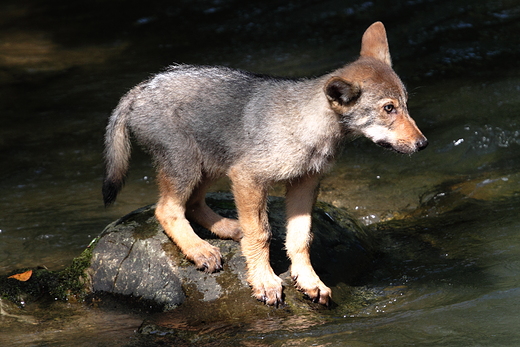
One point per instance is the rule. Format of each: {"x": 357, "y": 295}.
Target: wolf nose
{"x": 421, "y": 144}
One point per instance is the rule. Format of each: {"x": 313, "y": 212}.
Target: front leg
{"x": 251, "y": 201}
{"x": 300, "y": 198}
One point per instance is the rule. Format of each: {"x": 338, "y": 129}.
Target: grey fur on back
{"x": 197, "y": 120}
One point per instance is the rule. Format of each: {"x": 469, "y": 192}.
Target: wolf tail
{"x": 117, "y": 151}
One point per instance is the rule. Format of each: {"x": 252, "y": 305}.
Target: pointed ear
{"x": 375, "y": 44}
{"x": 341, "y": 93}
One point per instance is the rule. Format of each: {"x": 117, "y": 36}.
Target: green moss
{"x": 70, "y": 283}
{"x": 74, "y": 280}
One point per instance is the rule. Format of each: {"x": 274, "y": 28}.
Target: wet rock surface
{"x": 133, "y": 257}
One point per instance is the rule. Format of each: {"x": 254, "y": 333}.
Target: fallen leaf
{"x": 24, "y": 276}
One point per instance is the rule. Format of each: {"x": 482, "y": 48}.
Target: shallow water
{"x": 450, "y": 273}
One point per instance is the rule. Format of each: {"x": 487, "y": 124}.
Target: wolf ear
{"x": 341, "y": 93}
{"x": 375, "y": 44}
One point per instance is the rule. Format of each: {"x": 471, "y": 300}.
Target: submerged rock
{"x": 134, "y": 257}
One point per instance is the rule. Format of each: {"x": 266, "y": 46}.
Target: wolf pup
{"x": 200, "y": 123}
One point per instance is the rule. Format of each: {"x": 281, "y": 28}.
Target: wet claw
{"x": 269, "y": 292}
{"x": 313, "y": 288}
{"x": 274, "y": 298}
{"x": 210, "y": 268}
{"x": 322, "y": 298}
{"x": 206, "y": 257}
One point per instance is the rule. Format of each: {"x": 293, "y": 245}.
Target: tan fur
{"x": 197, "y": 211}
{"x": 300, "y": 197}
{"x": 251, "y": 201}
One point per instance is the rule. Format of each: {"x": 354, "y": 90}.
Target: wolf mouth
{"x": 419, "y": 146}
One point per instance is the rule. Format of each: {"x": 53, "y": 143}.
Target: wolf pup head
{"x": 370, "y": 99}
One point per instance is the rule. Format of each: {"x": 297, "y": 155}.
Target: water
{"x": 450, "y": 271}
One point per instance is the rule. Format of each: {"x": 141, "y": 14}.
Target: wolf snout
{"x": 405, "y": 147}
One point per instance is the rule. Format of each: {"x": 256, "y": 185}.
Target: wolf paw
{"x": 269, "y": 291}
{"x": 206, "y": 257}
{"x": 314, "y": 288}
{"x": 228, "y": 228}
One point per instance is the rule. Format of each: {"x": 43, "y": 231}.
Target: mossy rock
{"x": 70, "y": 284}
{"x": 134, "y": 257}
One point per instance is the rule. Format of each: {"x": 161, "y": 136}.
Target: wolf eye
{"x": 389, "y": 108}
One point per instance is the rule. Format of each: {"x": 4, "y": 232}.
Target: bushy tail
{"x": 117, "y": 151}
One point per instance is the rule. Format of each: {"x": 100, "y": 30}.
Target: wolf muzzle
{"x": 419, "y": 145}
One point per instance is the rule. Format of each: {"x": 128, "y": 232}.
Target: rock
{"x": 129, "y": 259}
{"x": 133, "y": 257}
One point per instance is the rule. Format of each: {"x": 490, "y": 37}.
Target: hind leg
{"x": 197, "y": 211}
{"x": 170, "y": 212}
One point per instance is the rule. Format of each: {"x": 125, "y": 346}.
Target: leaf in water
{"x": 24, "y": 276}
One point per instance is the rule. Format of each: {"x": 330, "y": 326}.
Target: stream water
{"x": 450, "y": 273}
